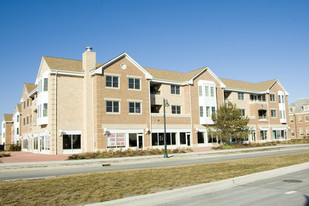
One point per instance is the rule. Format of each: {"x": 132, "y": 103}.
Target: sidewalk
{"x": 17, "y": 157}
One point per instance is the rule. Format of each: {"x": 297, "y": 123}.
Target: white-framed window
{"x": 45, "y": 85}
{"x": 212, "y": 91}
{"x": 134, "y": 83}
{"x": 243, "y": 112}
{"x": 201, "y": 111}
{"x": 17, "y": 118}
{"x": 45, "y": 110}
{"x": 281, "y": 98}
{"x": 291, "y": 119}
{"x": 176, "y": 109}
{"x": 134, "y": 107}
{"x": 175, "y": 89}
{"x": 307, "y": 131}
{"x": 241, "y": 96}
{"x": 207, "y": 91}
{"x": 282, "y": 114}
{"x": 273, "y": 113}
{"x": 301, "y": 132}
{"x": 116, "y": 140}
{"x": 207, "y": 111}
{"x": 157, "y": 139}
{"x": 300, "y": 119}
{"x": 272, "y": 97}
{"x": 292, "y": 132}
{"x": 200, "y": 91}
{"x": 306, "y": 108}
{"x": 71, "y": 141}
{"x": 112, "y": 81}
{"x": 112, "y": 106}
{"x": 306, "y": 118}
{"x": 263, "y": 134}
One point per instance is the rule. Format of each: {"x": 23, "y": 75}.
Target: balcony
{"x": 262, "y": 115}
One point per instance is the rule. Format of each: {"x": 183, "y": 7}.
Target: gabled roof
{"x": 29, "y": 87}
{"x": 61, "y": 64}
{"x": 8, "y": 117}
{"x": 299, "y": 105}
{"x": 248, "y": 86}
{"x": 18, "y": 108}
{"x": 159, "y": 74}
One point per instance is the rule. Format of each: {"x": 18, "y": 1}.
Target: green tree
{"x": 229, "y": 123}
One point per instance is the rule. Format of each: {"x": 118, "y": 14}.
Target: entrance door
{"x": 140, "y": 141}
{"x": 253, "y": 136}
{"x": 188, "y": 139}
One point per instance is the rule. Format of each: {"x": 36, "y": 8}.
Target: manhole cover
{"x": 292, "y": 181}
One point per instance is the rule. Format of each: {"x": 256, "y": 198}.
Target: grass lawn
{"x": 104, "y": 186}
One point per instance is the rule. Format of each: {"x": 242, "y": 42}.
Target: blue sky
{"x": 248, "y": 40}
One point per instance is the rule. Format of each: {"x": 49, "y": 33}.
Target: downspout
{"x": 150, "y": 122}
{"x": 93, "y": 143}
{"x": 56, "y": 133}
{"x": 192, "y": 129}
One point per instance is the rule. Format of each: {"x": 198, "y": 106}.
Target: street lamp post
{"x": 165, "y": 104}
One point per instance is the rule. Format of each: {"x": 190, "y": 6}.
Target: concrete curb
{"x": 181, "y": 193}
{"x": 93, "y": 161}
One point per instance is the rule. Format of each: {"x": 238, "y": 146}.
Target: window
{"x": 157, "y": 139}
{"x": 207, "y": 91}
{"x": 35, "y": 143}
{"x": 306, "y": 108}
{"x": 45, "y": 110}
{"x": 272, "y": 97}
{"x": 212, "y": 91}
{"x": 281, "y": 98}
{"x": 17, "y": 130}
{"x": 176, "y": 109}
{"x": 112, "y": 106}
{"x": 71, "y": 141}
{"x": 134, "y": 83}
{"x": 175, "y": 89}
{"x": 200, "y": 137}
{"x": 201, "y": 112}
{"x": 307, "y": 131}
{"x": 213, "y": 109}
{"x": 132, "y": 140}
{"x": 182, "y": 137}
{"x": 300, "y": 119}
{"x": 24, "y": 121}
{"x": 291, "y": 119}
{"x": 116, "y": 140}
{"x": 27, "y": 120}
{"x": 243, "y": 112}
{"x": 45, "y": 84}
{"x": 112, "y": 81}
{"x": 24, "y": 104}
{"x": 27, "y": 102}
{"x": 306, "y": 118}
{"x": 200, "y": 91}
{"x": 301, "y": 132}
{"x": 262, "y": 114}
{"x": 292, "y": 132}
{"x": 241, "y": 96}
{"x": 273, "y": 113}
{"x": 207, "y": 111}
{"x": 135, "y": 107}
{"x": 263, "y": 134}
{"x": 17, "y": 118}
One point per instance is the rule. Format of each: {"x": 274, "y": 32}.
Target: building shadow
{"x": 307, "y": 200}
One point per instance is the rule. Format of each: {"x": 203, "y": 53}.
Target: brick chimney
{"x": 89, "y": 59}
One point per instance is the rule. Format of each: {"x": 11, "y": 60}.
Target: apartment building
{"x": 299, "y": 118}
{"x": 84, "y": 106}
{"x": 265, "y": 104}
{"x": 7, "y": 135}
{"x": 16, "y": 123}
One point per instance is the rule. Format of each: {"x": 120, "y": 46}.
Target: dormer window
{"x": 306, "y": 108}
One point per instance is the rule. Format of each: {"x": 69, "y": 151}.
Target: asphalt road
{"x": 173, "y": 161}
{"x": 290, "y": 190}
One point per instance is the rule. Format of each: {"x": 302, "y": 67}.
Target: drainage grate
{"x": 292, "y": 181}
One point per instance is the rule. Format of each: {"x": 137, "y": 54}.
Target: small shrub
{"x": 5, "y": 155}
{"x": 14, "y": 147}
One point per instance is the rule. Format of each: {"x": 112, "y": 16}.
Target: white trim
{"x": 134, "y": 100}
{"x": 245, "y": 91}
{"x": 99, "y": 70}
{"x": 69, "y": 73}
{"x": 72, "y": 132}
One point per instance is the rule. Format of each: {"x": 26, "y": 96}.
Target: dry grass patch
{"x": 104, "y": 186}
